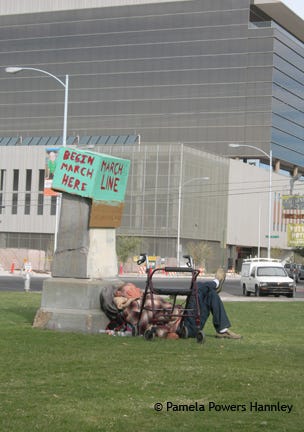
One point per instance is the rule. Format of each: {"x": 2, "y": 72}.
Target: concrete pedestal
{"x": 83, "y": 252}
{"x": 70, "y": 304}
{"x": 85, "y": 261}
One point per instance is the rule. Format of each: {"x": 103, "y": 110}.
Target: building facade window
{"x": 15, "y": 203}
{"x": 28, "y": 187}
{"x": 15, "y": 179}
{"x": 27, "y": 204}
{"x": 40, "y": 193}
{"x": 2, "y": 180}
{"x": 15, "y": 191}
{"x": 28, "y": 180}
{"x": 53, "y": 205}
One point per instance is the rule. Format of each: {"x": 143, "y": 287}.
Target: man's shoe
{"x": 220, "y": 275}
{"x": 182, "y": 332}
{"x": 228, "y": 334}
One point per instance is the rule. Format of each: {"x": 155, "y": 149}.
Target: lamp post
{"x": 181, "y": 185}
{"x": 65, "y": 84}
{"x": 269, "y": 156}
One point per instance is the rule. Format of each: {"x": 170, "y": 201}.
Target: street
{"x": 231, "y": 287}
{"x": 16, "y": 283}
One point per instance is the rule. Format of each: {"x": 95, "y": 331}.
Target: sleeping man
{"x": 128, "y": 298}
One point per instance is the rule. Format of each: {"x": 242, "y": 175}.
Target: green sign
{"x": 89, "y": 174}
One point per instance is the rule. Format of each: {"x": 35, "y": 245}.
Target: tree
{"x": 125, "y": 247}
{"x": 200, "y": 252}
{"x": 299, "y": 251}
{"x": 276, "y": 253}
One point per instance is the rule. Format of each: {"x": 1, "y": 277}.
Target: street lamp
{"x": 269, "y": 156}
{"x": 181, "y": 185}
{"x": 65, "y": 84}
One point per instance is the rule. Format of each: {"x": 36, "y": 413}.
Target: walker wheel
{"x": 200, "y": 337}
{"x": 149, "y": 335}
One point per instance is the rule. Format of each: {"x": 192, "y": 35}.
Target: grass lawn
{"x": 67, "y": 382}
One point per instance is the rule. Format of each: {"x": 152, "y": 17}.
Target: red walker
{"x": 174, "y": 293}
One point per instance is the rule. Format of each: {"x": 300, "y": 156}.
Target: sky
{"x": 296, "y": 5}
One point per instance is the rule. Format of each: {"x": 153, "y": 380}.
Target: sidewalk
{"x": 19, "y": 273}
{"x": 226, "y": 297}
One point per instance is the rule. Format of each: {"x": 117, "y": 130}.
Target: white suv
{"x": 264, "y": 276}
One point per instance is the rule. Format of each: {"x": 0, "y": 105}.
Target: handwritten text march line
{"x": 110, "y": 172}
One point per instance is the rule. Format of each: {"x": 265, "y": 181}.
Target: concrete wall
{"x": 30, "y": 6}
{"x": 248, "y": 201}
{"x": 24, "y": 158}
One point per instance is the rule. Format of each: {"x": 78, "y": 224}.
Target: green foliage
{"x": 201, "y": 252}
{"x": 126, "y": 247}
{"x": 276, "y": 253}
{"x": 67, "y": 382}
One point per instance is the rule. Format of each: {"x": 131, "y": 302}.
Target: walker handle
{"x": 178, "y": 269}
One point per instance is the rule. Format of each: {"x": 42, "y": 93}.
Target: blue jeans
{"x": 209, "y": 301}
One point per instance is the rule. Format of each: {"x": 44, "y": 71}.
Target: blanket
{"x": 125, "y": 302}
{"x": 161, "y": 315}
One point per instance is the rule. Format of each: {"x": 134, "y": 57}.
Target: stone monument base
{"x": 72, "y": 305}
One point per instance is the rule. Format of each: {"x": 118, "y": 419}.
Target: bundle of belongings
{"x": 122, "y": 305}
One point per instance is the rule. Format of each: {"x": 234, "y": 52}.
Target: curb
{"x": 226, "y": 297}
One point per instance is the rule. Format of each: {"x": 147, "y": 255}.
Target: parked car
{"x": 262, "y": 276}
{"x": 300, "y": 272}
{"x": 293, "y": 271}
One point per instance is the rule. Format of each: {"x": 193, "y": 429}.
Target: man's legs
{"x": 209, "y": 301}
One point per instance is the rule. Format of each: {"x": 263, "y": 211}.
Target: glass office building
{"x": 186, "y": 76}
{"x": 203, "y": 73}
